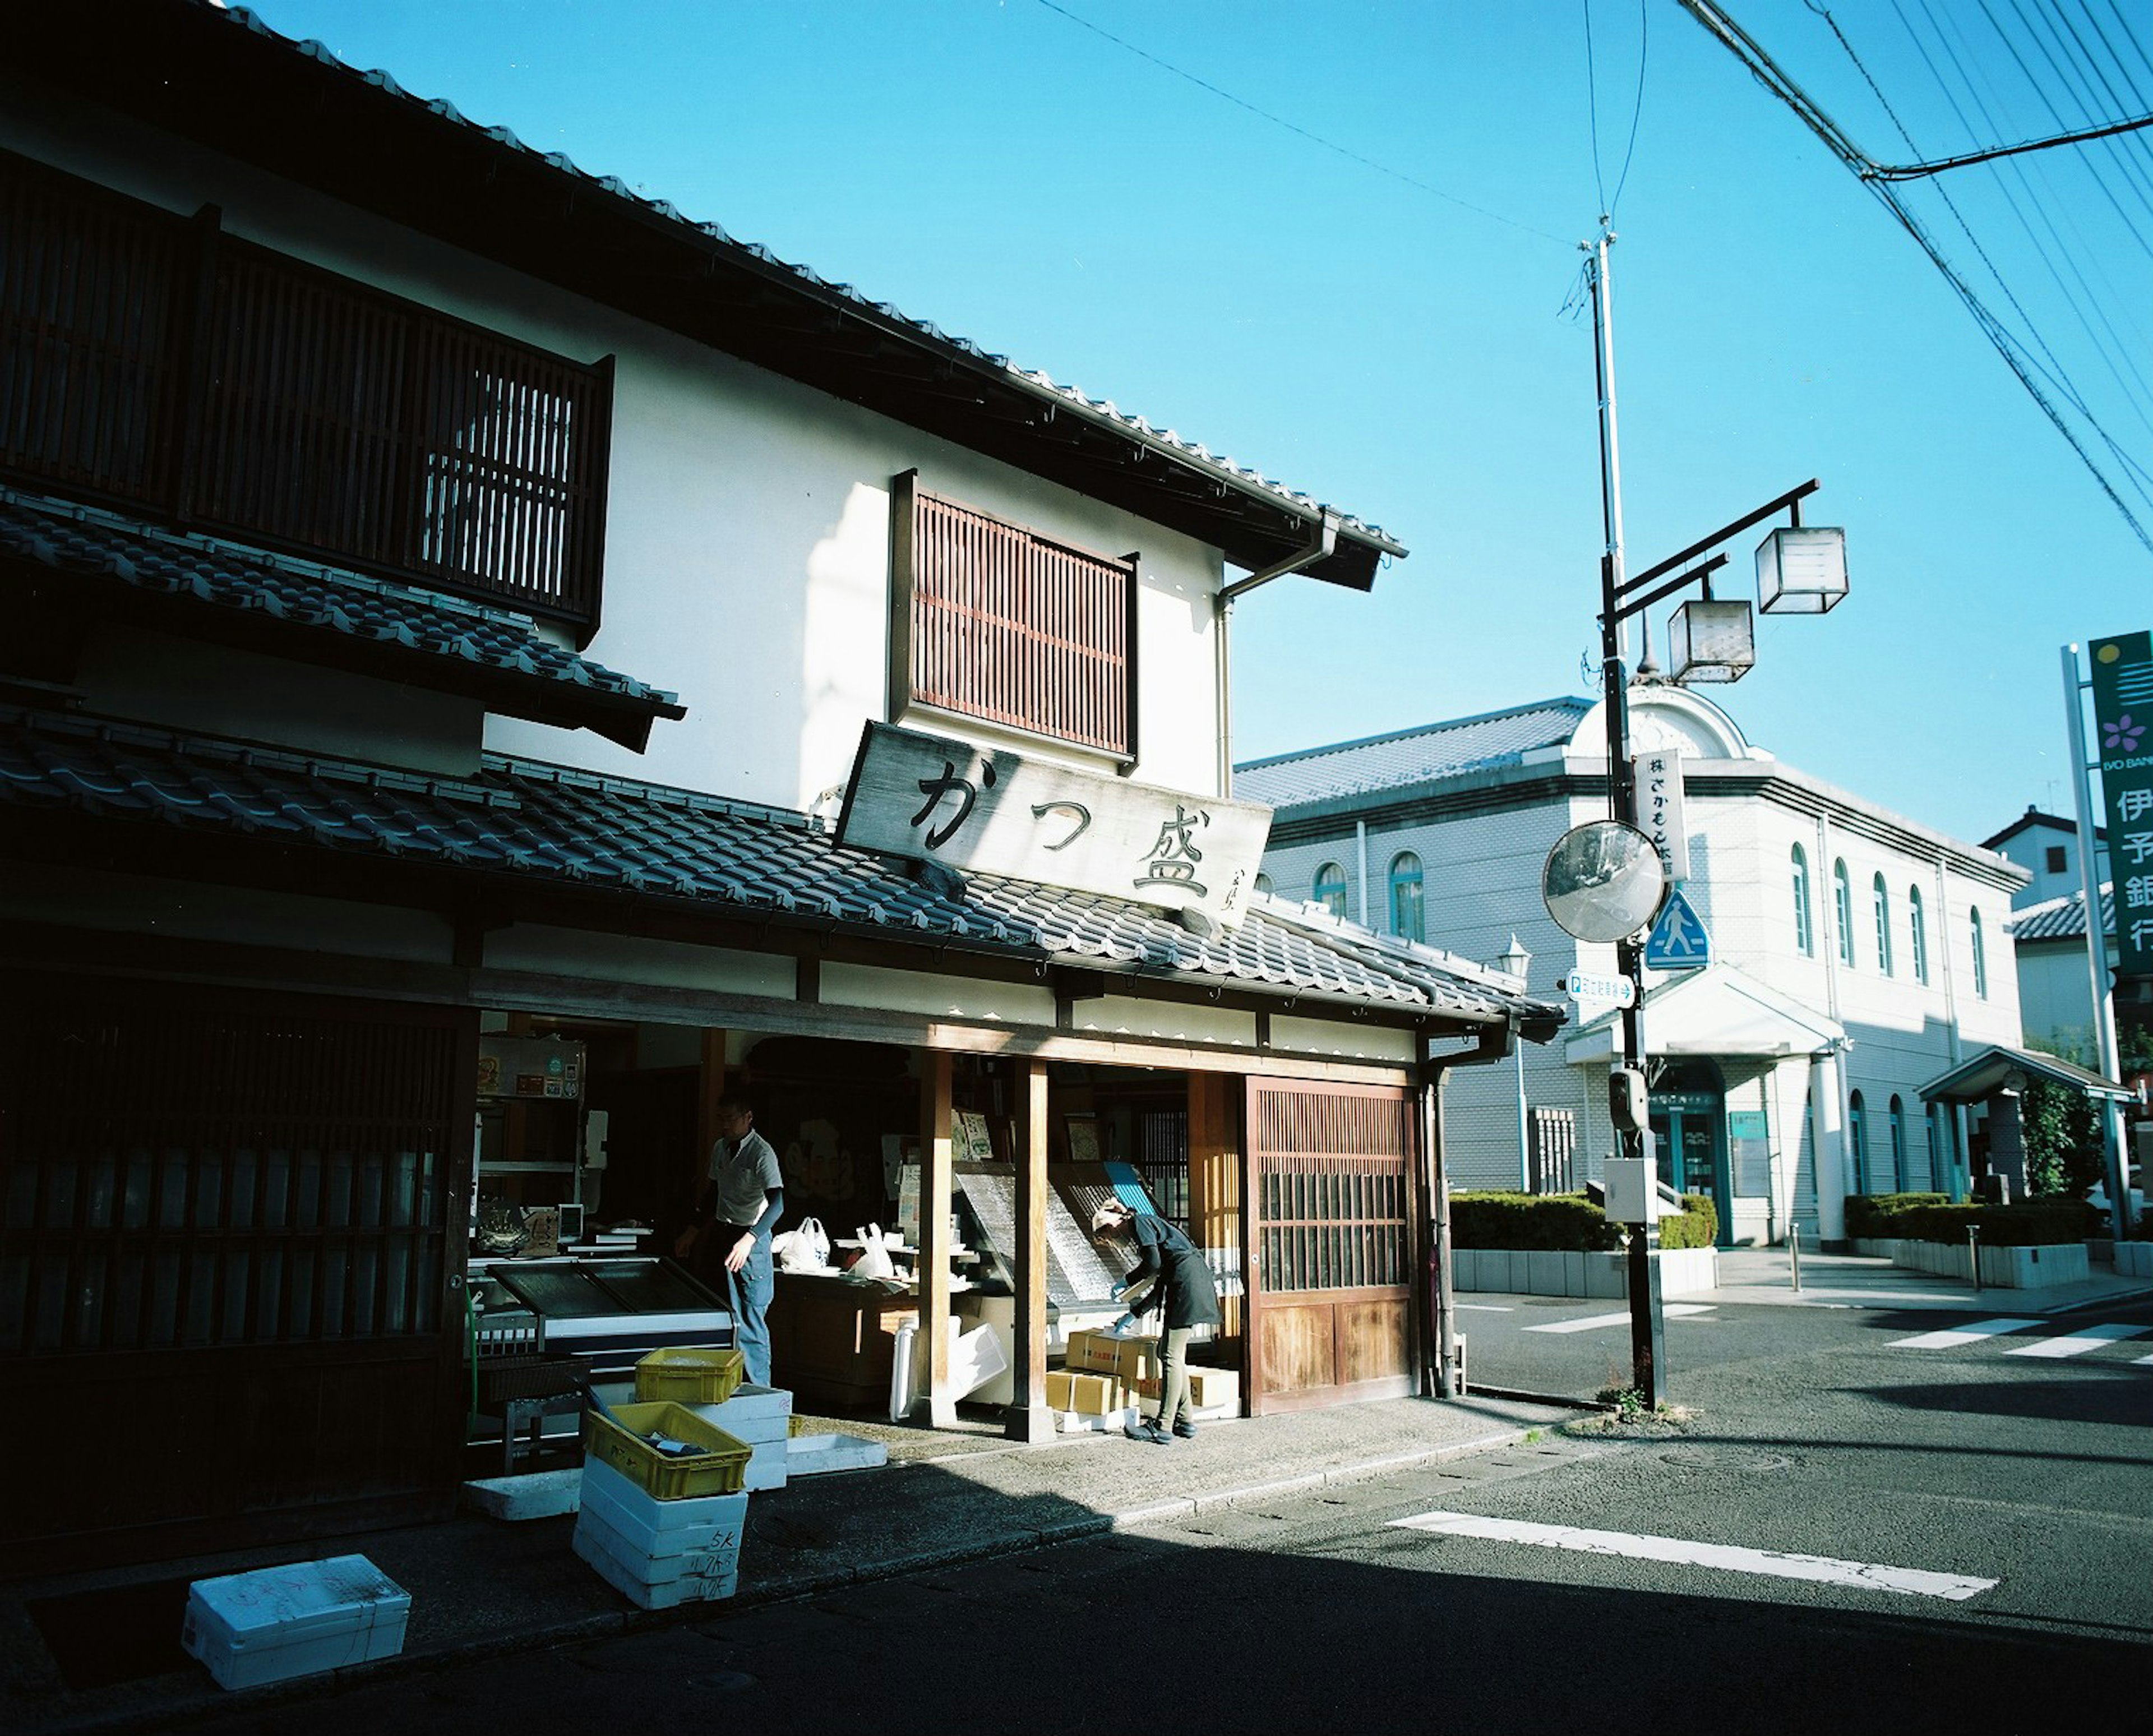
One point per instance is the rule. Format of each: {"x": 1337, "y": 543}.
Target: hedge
{"x": 1874, "y": 1216}
{"x": 2024, "y": 1223}
{"x": 1567, "y": 1222}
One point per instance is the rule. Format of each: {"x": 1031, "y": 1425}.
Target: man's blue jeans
{"x": 747, "y": 1293}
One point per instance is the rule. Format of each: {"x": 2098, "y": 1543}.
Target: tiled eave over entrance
{"x": 62, "y": 564}
{"x": 536, "y": 847}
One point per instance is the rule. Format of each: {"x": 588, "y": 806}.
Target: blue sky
{"x": 1366, "y": 291}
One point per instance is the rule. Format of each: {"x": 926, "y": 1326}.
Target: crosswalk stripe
{"x": 2077, "y": 1343}
{"x": 1818, "y": 1569}
{"x": 1956, "y": 1336}
{"x": 1671, "y": 1309}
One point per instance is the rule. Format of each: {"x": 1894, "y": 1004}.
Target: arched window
{"x": 1918, "y": 933}
{"x": 1898, "y": 1177}
{"x": 1330, "y": 888}
{"x": 1804, "y": 933}
{"x": 1883, "y": 927}
{"x": 1857, "y": 1133}
{"x": 1842, "y": 910}
{"x": 1406, "y": 921}
{"x": 1264, "y": 883}
{"x": 1980, "y": 956}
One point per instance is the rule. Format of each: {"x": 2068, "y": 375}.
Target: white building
{"x": 1855, "y": 954}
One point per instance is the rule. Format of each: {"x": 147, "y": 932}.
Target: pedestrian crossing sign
{"x": 1678, "y": 940}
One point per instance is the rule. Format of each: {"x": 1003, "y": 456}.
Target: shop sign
{"x": 1659, "y": 786}
{"x": 975, "y": 810}
{"x": 2123, "y": 721}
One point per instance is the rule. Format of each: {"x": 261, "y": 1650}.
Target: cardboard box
{"x": 1090, "y": 1395}
{"x": 298, "y": 1620}
{"x": 1209, "y": 1388}
{"x": 1137, "y": 1360}
{"x": 1093, "y": 1352}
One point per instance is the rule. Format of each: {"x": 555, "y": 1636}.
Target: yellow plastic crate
{"x": 689, "y": 1376}
{"x": 719, "y": 1470}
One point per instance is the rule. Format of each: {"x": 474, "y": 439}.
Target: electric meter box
{"x": 1633, "y": 1193}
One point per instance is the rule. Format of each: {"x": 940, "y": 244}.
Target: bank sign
{"x": 932, "y": 798}
{"x": 2123, "y": 743}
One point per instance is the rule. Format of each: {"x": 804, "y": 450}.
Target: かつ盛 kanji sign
{"x": 2123, "y": 717}
{"x": 934, "y": 798}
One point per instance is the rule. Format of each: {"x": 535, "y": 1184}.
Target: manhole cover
{"x": 1726, "y": 1459}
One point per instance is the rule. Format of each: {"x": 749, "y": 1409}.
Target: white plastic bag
{"x": 874, "y": 1261}
{"x": 803, "y": 1249}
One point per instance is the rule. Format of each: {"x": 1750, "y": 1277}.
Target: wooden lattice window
{"x": 155, "y": 360}
{"x": 191, "y": 1172}
{"x": 992, "y": 621}
{"x": 1333, "y": 1191}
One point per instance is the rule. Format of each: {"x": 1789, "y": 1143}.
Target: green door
{"x": 1689, "y": 1138}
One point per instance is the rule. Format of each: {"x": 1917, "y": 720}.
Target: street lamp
{"x": 1516, "y": 962}
{"x": 1801, "y": 569}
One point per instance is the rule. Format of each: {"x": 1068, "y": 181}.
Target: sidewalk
{"x": 1841, "y": 1281}
{"x": 481, "y": 1586}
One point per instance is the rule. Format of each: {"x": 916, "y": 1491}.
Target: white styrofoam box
{"x": 715, "y": 1522}
{"x": 719, "y": 1561}
{"x": 766, "y": 1466}
{"x": 626, "y": 1578}
{"x": 296, "y": 1619}
{"x": 806, "y": 1454}
{"x": 646, "y": 1509}
{"x": 543, "y": 1495}
{"x": 751, "y": 1414}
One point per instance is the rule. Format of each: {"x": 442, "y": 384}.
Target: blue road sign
{"x": 1678, "y": 941}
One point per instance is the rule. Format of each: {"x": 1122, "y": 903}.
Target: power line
{"x": 1637, "y": 110}
{"x": 1300, "y": 131}
{"x": 1767, "y": 72}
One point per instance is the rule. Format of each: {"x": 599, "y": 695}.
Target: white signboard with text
{"x": 1660, "y": 808}
{"x": 932, "y": 798}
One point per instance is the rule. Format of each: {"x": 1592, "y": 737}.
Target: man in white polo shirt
{"x": 734, "y": 1222}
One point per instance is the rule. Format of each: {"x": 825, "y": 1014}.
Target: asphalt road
{"x": 1973, "y": 1530}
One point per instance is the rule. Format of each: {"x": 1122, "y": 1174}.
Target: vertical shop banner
{"x": 1660, "y": 808}
{"x": 2123, "y": 741}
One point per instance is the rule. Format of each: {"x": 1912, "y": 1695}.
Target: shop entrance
{"x": 1331, "y": 1310}
{"x": 1689, "y": 1134}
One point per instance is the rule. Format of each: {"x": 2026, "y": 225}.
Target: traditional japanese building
{"x": 496, "y": 662}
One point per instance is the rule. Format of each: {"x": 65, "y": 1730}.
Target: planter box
{"x": 2133, "y": 1260}
{"x": 1877, "y": 1247}
{"x": 2000, "y": 1267}
{"x": 1540, "y": 1272}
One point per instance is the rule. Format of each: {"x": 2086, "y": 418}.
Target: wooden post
{"x": 1215, "y": 1191}
{"x": 1028, "y": 1419}
{"x": 694, "y": 1165}
{"x": 938, "y": 1403}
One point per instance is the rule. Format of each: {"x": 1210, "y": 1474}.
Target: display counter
{"x": 833, "y": 1341}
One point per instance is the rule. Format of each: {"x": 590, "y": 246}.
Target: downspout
{"x": 1319, "y": 546}
{"x": 1446, "y": 1379}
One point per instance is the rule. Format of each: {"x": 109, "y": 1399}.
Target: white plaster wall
{"x": 212, "y": 689}
{"x": 747, "y": 544}
{"x": 1168, "y": 1022}
{"x": 627, "y": 958}
{"x": 1342, "y": 1040}
{"x": 2055, "y": 998}
{"x": 937, "y": 997}
{"x": 132, "y": 903}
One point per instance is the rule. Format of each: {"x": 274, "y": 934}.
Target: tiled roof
{"x": 220, "y": 574}
{"x": 1411, "y": 757}
{"x": 1068, "y": 398}
{"x": 550, "y": 823}
{"x": 2062, "y": 918}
